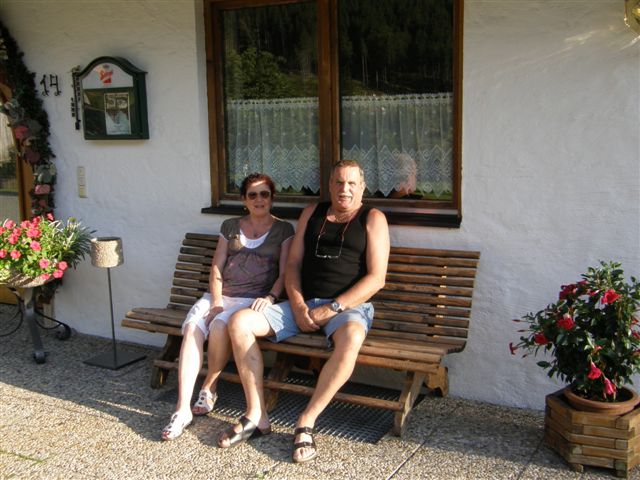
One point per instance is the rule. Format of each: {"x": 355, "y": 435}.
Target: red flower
{"x": 635, "y": 335}
{"x": 610, "y": 296}
{"x": 594, "y": 373}
{"x": 540, "y": 339}
{"x": 609, "y": 387}
{"x": 566, "y": 322}
{"x": 567, "y": 290}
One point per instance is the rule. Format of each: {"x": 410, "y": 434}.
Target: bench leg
{"x": 439, "y": 381}
{"x": 170, "y": 352}
{"x": 410, "y": 391}
{"x": 279, "y": 372}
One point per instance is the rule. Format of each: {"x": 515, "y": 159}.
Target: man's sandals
{"x": 249, "y": 430}
{"x": 307, "y": 445}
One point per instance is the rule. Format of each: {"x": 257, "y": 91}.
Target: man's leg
{"x": 244, "y": 328}
{"x": 347, "y": 341}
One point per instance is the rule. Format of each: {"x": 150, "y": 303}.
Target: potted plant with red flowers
{"x": 591, "y": 338}
{"x": 40, "y": 250}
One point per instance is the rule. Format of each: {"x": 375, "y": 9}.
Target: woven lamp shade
{"x": 106, "y": 252}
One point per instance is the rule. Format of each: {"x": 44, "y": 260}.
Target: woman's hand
{"x": 260, "y": 303}
{"x": 211, "y": 314}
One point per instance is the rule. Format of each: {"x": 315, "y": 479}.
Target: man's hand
{"x": 303, "y": 320}
{"x": 211, "y": 314}
{"x": 322, "y": 314}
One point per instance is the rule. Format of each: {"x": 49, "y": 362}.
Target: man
{"x": 337, "y": 262}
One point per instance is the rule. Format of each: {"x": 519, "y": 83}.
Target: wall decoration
{"x": 113, "y": 99}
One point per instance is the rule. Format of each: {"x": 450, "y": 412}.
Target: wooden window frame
{"x": 398, "y": 211}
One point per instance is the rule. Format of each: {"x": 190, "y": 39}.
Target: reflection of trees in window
{"x": 270, "y": 52}
{"x": 396, "y": 47}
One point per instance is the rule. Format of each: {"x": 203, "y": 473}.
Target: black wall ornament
{"x": 113, "y": 100}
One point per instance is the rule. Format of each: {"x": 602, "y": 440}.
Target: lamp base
{"x": 114, "y": 362}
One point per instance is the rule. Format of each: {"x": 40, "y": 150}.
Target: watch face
{"x": 336, "y": 307}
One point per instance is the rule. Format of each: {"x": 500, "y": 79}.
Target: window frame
{"x": 398, "y": 211}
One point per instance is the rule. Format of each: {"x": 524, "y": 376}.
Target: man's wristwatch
{"x": 337, "y": 306}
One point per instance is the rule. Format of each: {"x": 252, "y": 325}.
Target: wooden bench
{"x": 421, "y": 315}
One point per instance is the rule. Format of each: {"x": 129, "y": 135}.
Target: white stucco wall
{"x": 551, "y": 161}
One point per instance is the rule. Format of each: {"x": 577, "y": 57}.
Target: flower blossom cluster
{"x": 35, "y": 247}
{"x": 591, "y": 333}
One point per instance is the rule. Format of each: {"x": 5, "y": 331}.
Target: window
{"x": 296, "y": 85}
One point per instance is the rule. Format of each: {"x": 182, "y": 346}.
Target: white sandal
{"x": 175, "y": 427}
{"x": 206, "y": 401}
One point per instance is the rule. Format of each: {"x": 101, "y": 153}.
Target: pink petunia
{"x": 15, "y": 254}
{"x": 35, "y": 246}
{"x": 45, "y": 276}
{"x": 50, "y": 217}
{"x": 594, "y": 372}
{"x": 44, "y": 263}
{"x": 13, "y": 239}
{"x": 10, "y": 224}
{"x": 33, "y": 233}
{"x": 58, "y": 273}
{"x": 63, "y": 265}
{"x": 3, "y": 253}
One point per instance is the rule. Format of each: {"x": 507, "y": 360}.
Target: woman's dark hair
{"x": 255, "y": 178}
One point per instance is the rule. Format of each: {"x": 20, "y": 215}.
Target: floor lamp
{"x": 106, "y": 252}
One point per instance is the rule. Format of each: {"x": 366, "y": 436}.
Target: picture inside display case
{"x": 114, "y": 103}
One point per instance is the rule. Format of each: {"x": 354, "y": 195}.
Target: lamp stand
{"x": 113, "y": 360}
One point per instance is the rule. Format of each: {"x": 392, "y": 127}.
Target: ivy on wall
{"x": 28, "y": 121}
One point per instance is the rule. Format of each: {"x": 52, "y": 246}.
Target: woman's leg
{"x": 218, "y": 352}
{"x": 191, "y": 354}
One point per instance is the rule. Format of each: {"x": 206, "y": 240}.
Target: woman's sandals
{"x": 175, "y": 427}
{"x": 205, "y": 403}
{"x": 307, "y": 445}
{"x": 249, "y": 430}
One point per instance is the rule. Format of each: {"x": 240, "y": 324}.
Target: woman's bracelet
{"x": 274, "y": 298}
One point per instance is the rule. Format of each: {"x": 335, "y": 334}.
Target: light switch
{"x": 82, "y": 182}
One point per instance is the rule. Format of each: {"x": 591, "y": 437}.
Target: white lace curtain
{"x": 401, "y": 141}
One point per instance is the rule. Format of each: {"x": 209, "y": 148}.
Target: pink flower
{"x": 610, "y": 296}
{"x": 50, "y": 217}
{"x": 10, "y": 224}
{"x": 33, "y": 233}
{"x": 3, "y": 253}
{"x": 25, "y": 224}
{"x": 45, "y": 276}
{"x": 35, "y": 246}
{"x": 566, "y": 322}
{"x": 2, "y": 230}
{"x": 44, "y": 263}
{"x": 15, "y": 254}
{"x": 540, "y": 339}
{"x": 63, "y": 265}
{"x": 13, "y": 239}
{"x": 594, "y": 373}
{"x": 58, "y": 273}
{"x": 609, "y": 387}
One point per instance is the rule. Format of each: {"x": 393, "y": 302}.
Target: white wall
{"x": 551, "y": 149}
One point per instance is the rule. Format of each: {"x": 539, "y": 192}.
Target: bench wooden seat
{"x": 421, "y": 315}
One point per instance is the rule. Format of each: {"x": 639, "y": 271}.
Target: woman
{"x": 247, "y": 271}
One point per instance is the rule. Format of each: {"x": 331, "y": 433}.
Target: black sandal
{"x": 249, "y": 430}
{"x": 309, "y": 431}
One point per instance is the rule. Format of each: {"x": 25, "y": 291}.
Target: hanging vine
{"x": 28, "y": 121}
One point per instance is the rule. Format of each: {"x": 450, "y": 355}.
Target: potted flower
{"x": 40, "y": 250}
{"x": 591, "y": 335}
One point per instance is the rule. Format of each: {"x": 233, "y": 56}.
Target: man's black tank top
{"x": 332, "y": 265}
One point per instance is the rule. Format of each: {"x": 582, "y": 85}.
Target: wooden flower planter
{"x": 585, "y": 438}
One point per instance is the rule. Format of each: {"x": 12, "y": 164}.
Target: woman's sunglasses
{"x": 263, "y": 194}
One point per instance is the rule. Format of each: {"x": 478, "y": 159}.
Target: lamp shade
{"x": 106, "y": 252}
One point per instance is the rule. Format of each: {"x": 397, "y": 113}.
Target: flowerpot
{"x": 628, "y": 399}
{"x": 15, "y": 279}
{"x": 588, "y": 438}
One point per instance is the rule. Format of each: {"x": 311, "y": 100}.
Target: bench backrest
{"x": 428, "y": 293}
{"x": 427, "y": 296}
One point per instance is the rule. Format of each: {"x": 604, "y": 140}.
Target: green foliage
{"x": 591, "y": 332}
